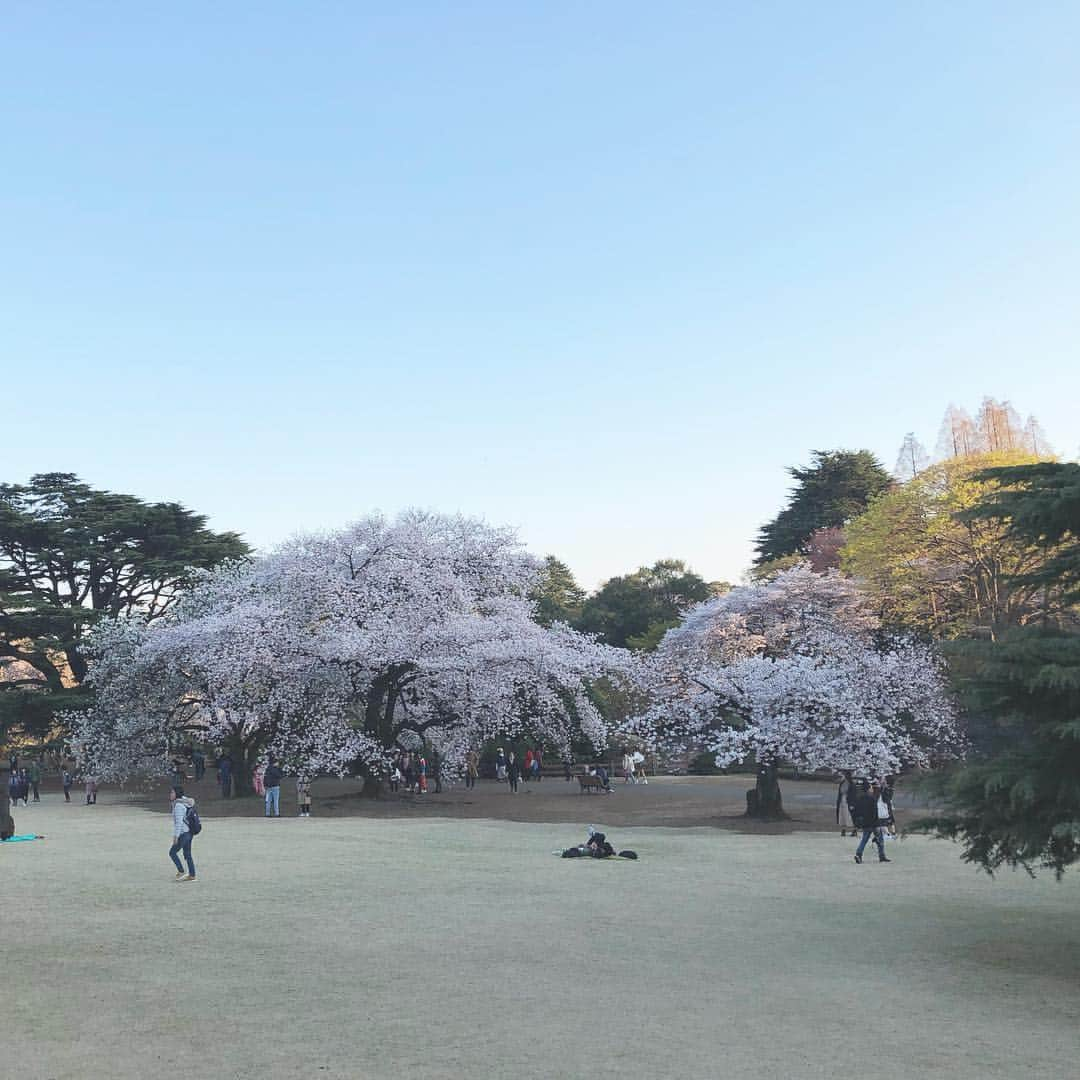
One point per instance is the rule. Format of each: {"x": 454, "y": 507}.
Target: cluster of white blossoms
{"x": 798, "y": 670}
{"x": 337, "y": 649}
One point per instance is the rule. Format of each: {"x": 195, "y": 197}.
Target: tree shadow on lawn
{"x": 672, "y": 803}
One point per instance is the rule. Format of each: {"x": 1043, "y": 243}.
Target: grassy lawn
{"x": 368, "y": 947}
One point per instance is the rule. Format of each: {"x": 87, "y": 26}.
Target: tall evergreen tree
{"x": 70, "y": 556}
{"x": 558, "y": 596}
{"x": 1041, "y": 504}
{"x": 1016, "y": 802}
{"x": 836, "y": 487}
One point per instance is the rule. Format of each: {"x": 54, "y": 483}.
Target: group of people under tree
{"x": 24, "y": 781}
{"x": 266, "y": 778}
{"x": 411, "y": 770}
{"x": 510, "y": 771}
{"x": 633, "y": 766}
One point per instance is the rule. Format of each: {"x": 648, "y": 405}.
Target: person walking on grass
{"x": 867, "y": 819}
{"x": 513, "y": 772}
{"x": 91, "y": 790}
{"x": 66, "y": 779}
{"x": 472, "y": 768}
{"x": 35, "y": 779}
{"x": 182, "y": 834}
{"x": 272, "y": 785}
{"x": 628, "y": 768}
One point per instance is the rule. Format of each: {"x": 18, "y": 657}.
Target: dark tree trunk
{"x": 763, "y": 801}
{"x": 245, "y": 757}
{"x": 374, "y": 784}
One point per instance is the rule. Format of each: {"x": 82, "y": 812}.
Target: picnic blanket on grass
{"x": 25, "y": 836}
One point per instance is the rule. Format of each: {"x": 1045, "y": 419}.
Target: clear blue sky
{"x": 600, "y": 271}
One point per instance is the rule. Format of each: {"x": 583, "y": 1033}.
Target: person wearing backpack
{"x": 185, "y": 825}
{"x": 272, "y": 786}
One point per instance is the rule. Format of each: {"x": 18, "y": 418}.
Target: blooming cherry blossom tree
{"x": 797, "y": 670}
{"x": 337, "y": 649}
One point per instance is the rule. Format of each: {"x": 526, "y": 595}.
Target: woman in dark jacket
{"x": 513, "y": 771}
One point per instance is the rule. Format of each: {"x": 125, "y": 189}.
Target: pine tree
{"x": 558, "y": 596}
{"x": 71, "y": 556}
{"x": 1017, "y": 801}
{"x": 1041, "y": 503}
{"x": 836, "y": 487}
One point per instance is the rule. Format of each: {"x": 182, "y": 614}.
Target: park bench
{"x": 588, "y": 782}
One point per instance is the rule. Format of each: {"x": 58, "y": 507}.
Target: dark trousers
{"x": 878, "y": 839}
{"x": 67, "y": 794}
{"x": 470, "y": 780}
{"x": 183, "y": 843}
{"x": 37, "y": 797}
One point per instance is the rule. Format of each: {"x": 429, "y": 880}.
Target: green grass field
{"x": 353, "y": 947}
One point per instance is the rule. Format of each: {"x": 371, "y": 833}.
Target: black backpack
{"x": 191, "y": 819}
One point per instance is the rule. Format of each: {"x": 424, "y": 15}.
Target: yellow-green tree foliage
{"x": 931, "y": 572}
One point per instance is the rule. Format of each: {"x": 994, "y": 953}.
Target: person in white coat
{"x": 181, "y": 834}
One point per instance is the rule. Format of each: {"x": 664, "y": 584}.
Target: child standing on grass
{"x": 303, "y": 796}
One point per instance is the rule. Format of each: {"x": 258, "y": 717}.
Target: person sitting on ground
{"x": 596, "y": 846}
